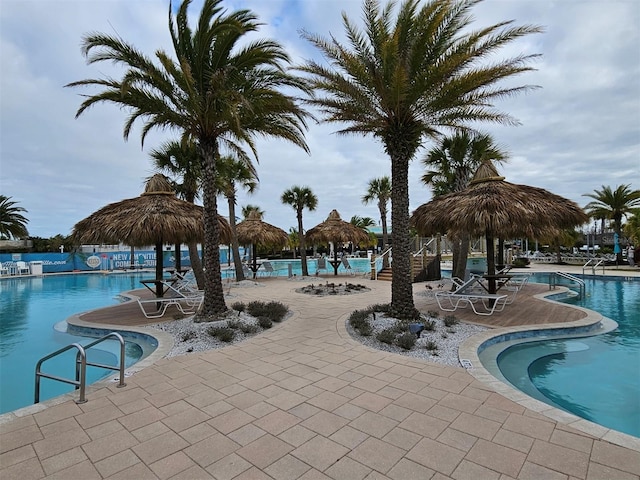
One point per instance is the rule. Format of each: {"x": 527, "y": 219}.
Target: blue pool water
{"x": 32, "y": 314}
{"x": 595, "y": 377}
{"x": 281, "y": 267}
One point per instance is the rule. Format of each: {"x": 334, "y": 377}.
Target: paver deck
{"x": 303, "y": 401}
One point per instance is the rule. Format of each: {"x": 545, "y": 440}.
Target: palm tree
{"x": 452, "y": 165}
{"x": 247, "y": 209}
{"x": 233, "y": 173}
{"x": 379, "y": 189}
{"x": 613, "y": 204}
{"x": 300, "y": 198}
{"x": 403, "y": 80}
{"x": 181, "y": 161}
{"x": 12, "y": 223}
{"x": 362, "y": 222}
{"x": 294, "y": 240}
{"x": 632, "y": 227}
{"x": 220, "y": 91}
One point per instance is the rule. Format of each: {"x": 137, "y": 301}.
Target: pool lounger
{"x": 491, "y": 302}
{"x": 161, "y": 305}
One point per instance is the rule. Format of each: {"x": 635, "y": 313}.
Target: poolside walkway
{"x": 304, "y": 401}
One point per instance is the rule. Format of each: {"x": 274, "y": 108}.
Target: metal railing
{"x": 553, "y": 278}
{"x": 594, "y": 263}
{"x": 81, "y": 367}
{"x": 379, "y": 259}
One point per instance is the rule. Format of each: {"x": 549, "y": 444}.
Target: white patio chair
{"x": 22, "y": 268}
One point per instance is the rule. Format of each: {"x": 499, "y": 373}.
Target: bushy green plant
{"x": 380, "y": 307}
{"x": 429, "y": 325}
{"x": 265, "y": 322}
{"x": 248, "y": 328}
{"x": 275, "y": 311}
{"x": 188, "y": 335}
{"x": 224, "y": 334}
{"x": 433, "y": 313}
{"x": 358, "y": 318}
{"x": 234, "y": 324}
{"x": 431, "y": 345}
{"x": 450, "y": 321}
{"x": 406, "y": 340}
{"x": 239, "y": 306}
{"x": 400, "y": 326}
{"x": 386, "y": 336}
{"x": 520, "y": 262}
{"x": 365, "y": 329}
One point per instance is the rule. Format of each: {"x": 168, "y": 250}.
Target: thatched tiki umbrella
{"x": 156, "y": 217}
{"x": 497, "y": 209}
{"x": 336, "y": 230}
{"x": 254, "y": 231}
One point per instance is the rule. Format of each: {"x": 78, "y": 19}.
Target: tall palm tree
{"x": 379, "y": 189}
{"x": 220, "y": 91}
{"x": 234, "y": 173}
{"x": 300, "y": 198}
{"x": 362, "y": 222}
{"x": 613, "y": 204}
{"x": 452, "y": 165}
{"x": 403, "y": 79}
{"x": 181, "y": 161}
{"x": 12, "y": 223}
{"x": 294, "y": 240}
{"x": 247, "y": 209}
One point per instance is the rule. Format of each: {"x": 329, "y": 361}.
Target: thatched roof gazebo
{"x": 336, "y": 230}
{"x": 254, "y": 231}
{"x": 494, "y": 208}
{"x": 156, "y": 217}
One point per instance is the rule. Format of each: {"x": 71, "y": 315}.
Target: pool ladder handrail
{"x": 379, "y": 259}
{"x": 81, "y": 366}
{"x": 599, "y": 261}
{"x": 579, "y": 281}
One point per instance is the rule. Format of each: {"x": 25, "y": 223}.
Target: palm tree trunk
{"x": 196, "y": 264}
{"x": 385, "y": 236}
{"x": 178, "y": 260}
{"x": 303, "y": 247}
{"x": 460, "y": 253}
{"x": 235, "y": 247}
{"x": 491, "y": 261}
{"x": 402, "y": 305}
{"x": 213, "y": 304}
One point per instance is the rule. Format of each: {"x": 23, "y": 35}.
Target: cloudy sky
{"x": 580, "y": 131}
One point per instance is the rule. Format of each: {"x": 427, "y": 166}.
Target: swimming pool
{"x": 595, "y": 377}
{"x": 281, "y": 267}
{"x": 32, "y": 314}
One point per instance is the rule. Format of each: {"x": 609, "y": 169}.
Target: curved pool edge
{"x": 165, "y": 344}
{"x": 471, "y": 347}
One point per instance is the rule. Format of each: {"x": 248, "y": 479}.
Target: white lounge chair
{"x": 22, "y": 268}
{"x": 347, "y": 266}
{"x": 267, "y": 269}
{"x": 179, "y": 295}
{"x": 4, "y": 269}
{"x": 467, "y": 294}
{"x": 321, "y": 264}
{"x": 160, "y": 305}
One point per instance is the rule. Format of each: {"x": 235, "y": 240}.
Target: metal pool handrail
{"x": 580, "y": 282}
{"x": 599, "y": 261}
{"x": 81, "y": 366}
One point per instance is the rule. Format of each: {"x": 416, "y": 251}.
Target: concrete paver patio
{"x": 303, "y": 401}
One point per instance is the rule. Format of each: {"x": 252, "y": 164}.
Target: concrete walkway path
{"x": 303, "y": 401}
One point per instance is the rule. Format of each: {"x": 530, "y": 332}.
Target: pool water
{"x": 595, "y": 377}
{"x": 32, "y": 314}
{"x": 281, "y": 267}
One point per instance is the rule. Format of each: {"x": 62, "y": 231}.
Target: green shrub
{"x": 365, "y": 329}
{"x": 234, "y": 324}
{"x": 265, "y": 322}
{"x": 189, "y": 335}
{"x": 358, "y": 318}
{"x": 431, "y": 345}
{"x": 520, "y": 262}
{"x": 429, "y": 325}
{"x": 224, "y": 334}
{"x": 387, "y": 336}
{"x": 248, "y": 328}
{"x": 400, "y": 326}
{"x": 406, "y": 341}
{"x": 433, "y": 314}
{"x": 380, "y": 307}
{"x": 275, "y": 311}
{"x": 239, "y": 306}
{"x": 450, "y": 321}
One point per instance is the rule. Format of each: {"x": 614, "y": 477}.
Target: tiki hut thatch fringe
{"x": 156, "y": 217}
{"x": 495, "y": 208}
{"x": 254, "y": 231}
{"x": 336, "y": 230}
